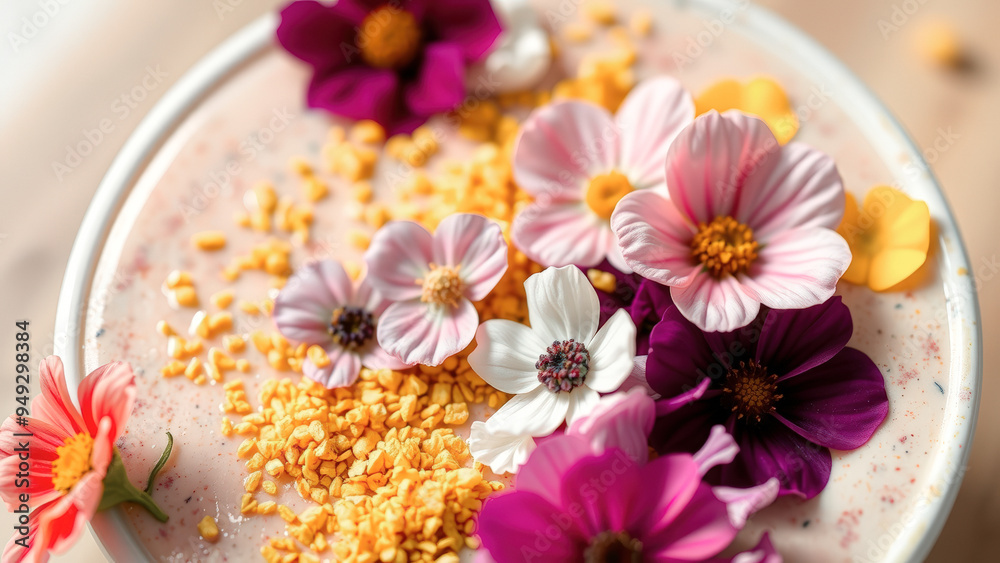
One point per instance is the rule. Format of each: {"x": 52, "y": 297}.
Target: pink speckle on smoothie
{"x": 847, "y": 524}
{"x": 902, "y": 439}
{"x": 906, "y": 376}
{"x": 965, "y": 394}
{"x": 931, "y": 349}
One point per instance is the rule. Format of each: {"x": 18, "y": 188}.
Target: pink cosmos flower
{"x": 71, "y": 452}
{"x": 590, "y": 495}
{"x": 433, "y": 281}
{"x": 578, "y": 161}
{"x": 321, "y": 306}
{"x": 743, "y": 222}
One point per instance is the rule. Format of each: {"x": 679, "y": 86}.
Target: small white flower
{"x": 523, "y": 53}
{"x": 556, "y": 369}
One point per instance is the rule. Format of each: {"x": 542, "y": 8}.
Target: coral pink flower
{"x": 433, "y": 281}
{"x": 71, "y": 452}
{"x": 321, "y": 306}
{"x": 578, "y": 161}
{"x": 747, "y": 222}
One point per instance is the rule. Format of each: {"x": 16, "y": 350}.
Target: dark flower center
{"x": 352, "y": 327}
{"x": 613, "y": 547}
{"x": 389, "y": 37}
{"x": 724, "y": 246}
{"x": 750, "y": 391}
{"x": 563, "y": 366}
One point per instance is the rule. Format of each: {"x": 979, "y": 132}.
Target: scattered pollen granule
{"x": 208, "y": 529}
{"x": 385, "y": 472}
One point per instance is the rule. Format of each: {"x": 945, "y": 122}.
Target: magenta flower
{"x": 396, "y": 62}
{"x": 786, "y": 387}
{"x": 578, "y": 161}
{"x": 433, "y": 281}
{"x": 590, "y": 495}
{"x": 320, "y": 306}
{"x": 747, "y": 222}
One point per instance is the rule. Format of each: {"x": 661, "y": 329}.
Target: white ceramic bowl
{"x": 918, "y": 526}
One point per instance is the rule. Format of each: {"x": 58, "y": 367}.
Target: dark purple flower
{"x": 644, "y": 300}
{"x": 786, "y": 387}
{"x": 396, "y": 62}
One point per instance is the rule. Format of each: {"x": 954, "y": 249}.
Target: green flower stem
{"x": 118, "y": 488}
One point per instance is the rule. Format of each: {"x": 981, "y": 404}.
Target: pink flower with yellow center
{"x": 433, "y": 281}
{"x": 744, "y": 222}
{"x": 578, "y": 161}
{"x": 74, "y": 468}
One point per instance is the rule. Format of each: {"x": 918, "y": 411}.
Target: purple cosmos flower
{"x": 320, "y": 306}
{"x": 590, "y": 495}
{"x": 644, "y": 300}
{"x": 396, "y": 62}
{"x": 786, "y": 387}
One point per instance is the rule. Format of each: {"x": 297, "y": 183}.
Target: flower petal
{"x": 838, "y": 404}
{"x": 678, "y": 353}
{"x": 419, "y": 333}
{"x": 357, "y": 93}
{"x": 562, "y": 233}
{"x": 562, "y": 305}
{"x": 374, "y": 357}
{"x": 702, "y": 530}
{"x": 54, "y": 403}
{"x": 399, "y": 254}
{"x": 342, "y": 371}
{"x": 612, "y": 353}
{"x": 108, "y": 392}
{"x": 772, "y": 450}
{"x": 650, "y": 118}
{"x": 622, "y": 420}
{"x": 501, "y": 451}
{"x": 304, "y": 307}
{"x": 536, "y": 413}
{"x": 719, "y": 449}
{"x": 801, "y": 190}
{"x": 551, "y": 459}
{"x": 710, "y": 161}
{"x": 654, "y": 238}
{"x": 476, "y": 245}
{"x": 562, "y": 146}
{"x": 741, "y": 503}
{"x": 581, "y": 401}
{"x": 797, "y": 269}
{"x": 505, "y": 355}
{"x": 314, "y": 33}
{"x": 61, "y": 522}
{"x": 509, "y": 524}
{"x": 793, "y": 341}
{"x": 439, "y": 84}
{"x": 668, "y": 485}
{"x": 469, "y": 24}
{"x": 716, "y": 305}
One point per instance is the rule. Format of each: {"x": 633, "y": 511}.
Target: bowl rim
{"x": 922, "y": 524}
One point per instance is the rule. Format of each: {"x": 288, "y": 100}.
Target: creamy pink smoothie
{"x": 248, "y": 129}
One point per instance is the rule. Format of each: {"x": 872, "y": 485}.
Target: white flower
{"x": 523, "y": 53}
{"x": 556, "y": 369}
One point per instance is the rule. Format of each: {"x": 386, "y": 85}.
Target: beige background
{"x": 67, "y": 76}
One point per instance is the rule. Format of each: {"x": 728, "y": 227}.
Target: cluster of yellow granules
{"x": 385, "y": 472}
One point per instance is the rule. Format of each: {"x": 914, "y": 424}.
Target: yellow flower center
{"x": 389, "y": 37}
{"x": 72, "y": 461}
{"x": 442, "y": 286}
{"x": 724, "y": 246}
{"x": 604, "y": 192}
{"x": 751, "y": 391}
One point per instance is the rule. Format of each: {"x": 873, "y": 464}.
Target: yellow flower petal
{"x": 761, "y": 96}
{"x": 889, "y": 238}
